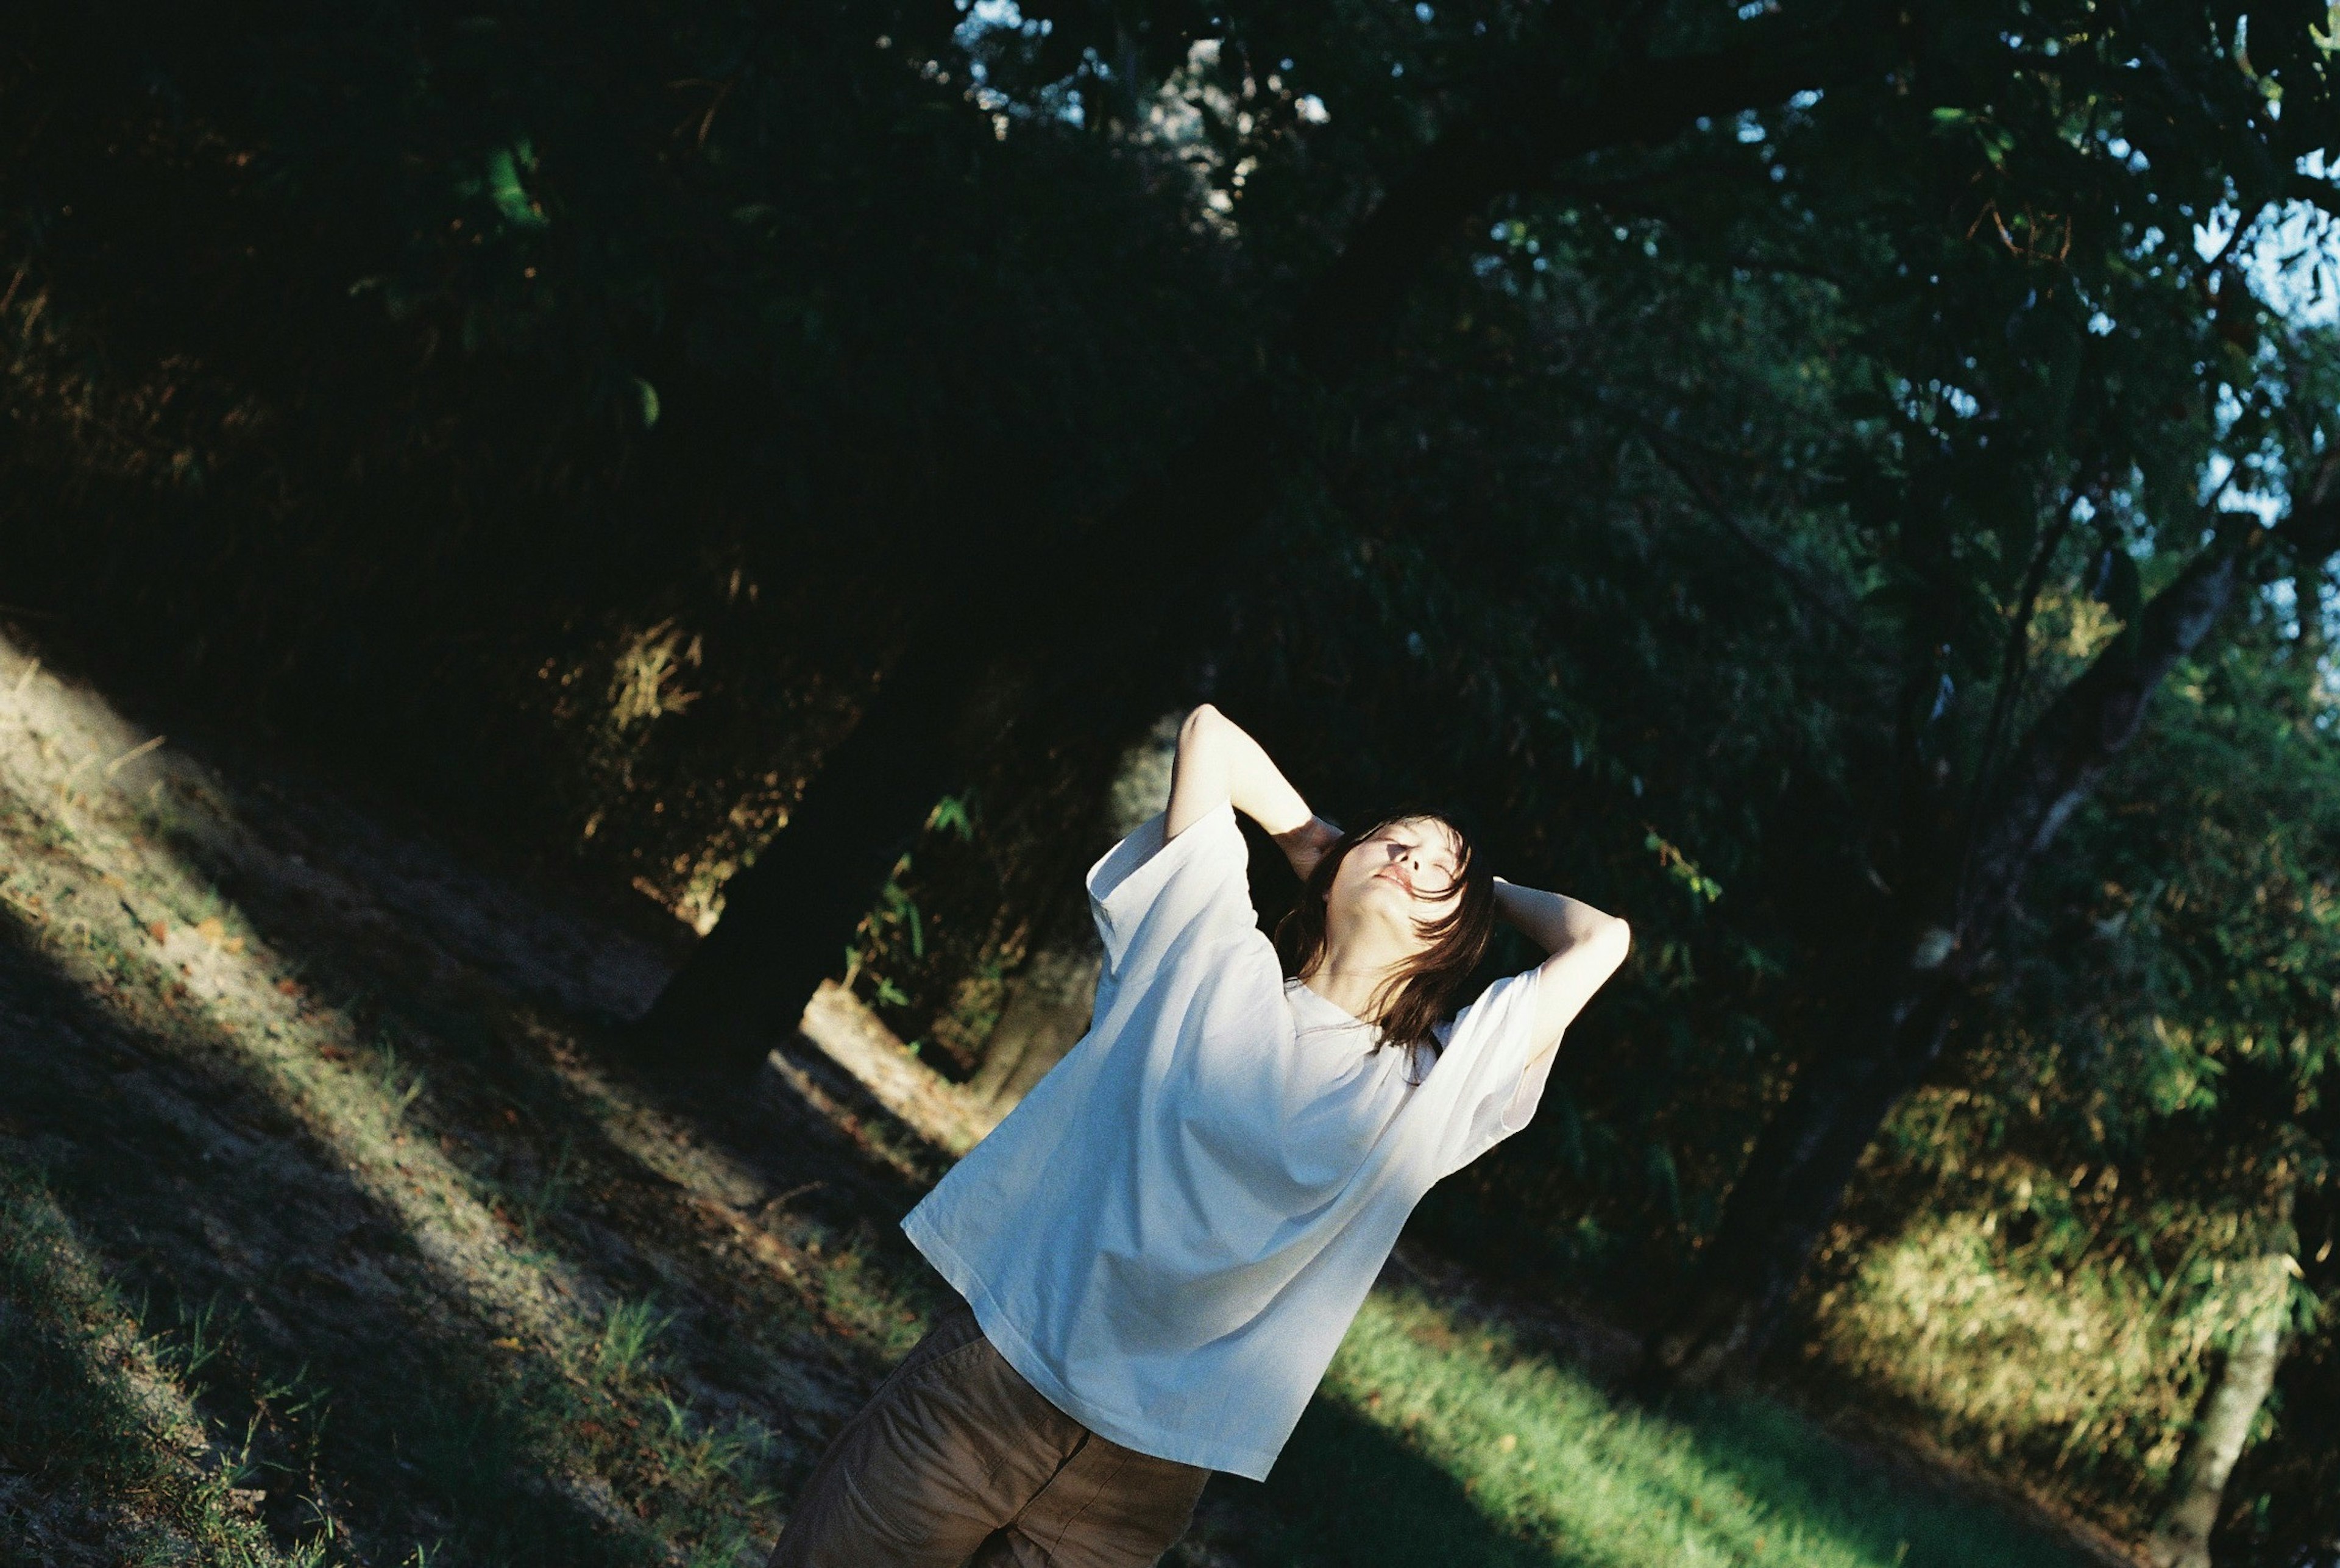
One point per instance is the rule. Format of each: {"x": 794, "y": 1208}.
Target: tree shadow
{"x": 1886, "y": 1506}
{"x": 434, "y": 964}
{"x": 748, "y": 1257}
{"x": 379, "y": 1398}
{"x": 1348, "y": 1493}
{"x": 764, "y": 1158}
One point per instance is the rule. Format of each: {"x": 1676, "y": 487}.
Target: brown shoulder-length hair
{"x": 1421, "y": 993}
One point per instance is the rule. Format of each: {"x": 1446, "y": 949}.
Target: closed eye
{"x": 1438, "y": 865}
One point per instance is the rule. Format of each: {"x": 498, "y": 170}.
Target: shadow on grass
{"x": 470, "y": 1009}
{"x": 368, "y": 1399}
{"x": 793, "y": 1354}
{"x": 1800, "y": 1470}
{"x": 85, "y": 1407}
{"x": 1347, "y": 1494}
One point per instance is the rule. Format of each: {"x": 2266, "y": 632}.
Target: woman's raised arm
{"x": 1218, "y": 762}
{"x": 1586, "y": 947}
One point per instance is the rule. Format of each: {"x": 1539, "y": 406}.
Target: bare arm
{"x": 1218, "y": 762}
{"x": 1586, "y": 947}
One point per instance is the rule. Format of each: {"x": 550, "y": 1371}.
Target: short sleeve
{"x": 1148, "y": 895}
{"x": 1494, "y": 1089}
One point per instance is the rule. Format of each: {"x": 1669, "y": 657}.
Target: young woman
{"x": 1159, "y": 1250}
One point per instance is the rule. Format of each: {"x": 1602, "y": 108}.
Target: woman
{"x": 1161, "y": 1247}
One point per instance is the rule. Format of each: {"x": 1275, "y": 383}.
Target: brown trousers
{"x": 956, "y": 1460}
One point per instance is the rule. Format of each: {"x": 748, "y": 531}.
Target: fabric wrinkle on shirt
{"x": 1170, "y": 1234}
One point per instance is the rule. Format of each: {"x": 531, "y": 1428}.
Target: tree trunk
{"x": 1796, "y": 1175}
{"x": 786, "y": 918}
{"x": 1050, "y": 1009}
{"x": 1794, "y": 1181}
{"x": 2222, "y": 1425}
{"x": 2181, "y": 1536}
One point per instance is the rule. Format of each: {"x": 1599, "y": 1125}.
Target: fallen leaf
{"x": 233, "y": 945}
{"x": 210, "y": 929}
{"x": 290, "y": 987}
{"x": 159, "y": 931}
{"x": 506, "y": 1343}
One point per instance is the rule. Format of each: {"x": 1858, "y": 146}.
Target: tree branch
{"x": 1519, "y": 135}
{"x": 1701, "y": 485}
{"x": 2319, "y": 194}
{"x": 2013, "y": 661}
{"x": 2093, "y": 719}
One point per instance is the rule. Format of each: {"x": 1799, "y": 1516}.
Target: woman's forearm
{"x": 1554, "y": 921}
{"x": 1218, "y": 762}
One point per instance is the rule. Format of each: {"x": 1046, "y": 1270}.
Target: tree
{"x": 1963, "y": 815}
{"x": 2245, "y": 1377}
{"x": 791, "y": 913}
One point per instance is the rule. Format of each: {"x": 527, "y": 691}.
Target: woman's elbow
{"x": 1205, "y": 732}
{"x": 1617, "y": 940}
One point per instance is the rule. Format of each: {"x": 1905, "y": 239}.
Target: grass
{"x": 101, "y": 1411}
{"x": 2084, "y": 1369}
{"x": 400, "y": 1085}
{"x": 1443, "y": 1440}
{"x": 626, "y": 1334}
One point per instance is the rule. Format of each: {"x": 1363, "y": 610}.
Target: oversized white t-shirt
{"x": 1170, "y": 1234}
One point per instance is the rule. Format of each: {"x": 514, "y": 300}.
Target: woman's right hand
{"x": 1305, "y": 845}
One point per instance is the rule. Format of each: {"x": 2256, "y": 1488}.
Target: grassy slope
{"x": 324, "y": 1238}
{"x": 1476, "y": 1447}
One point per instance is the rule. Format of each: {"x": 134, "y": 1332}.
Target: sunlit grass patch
{"x": 1440, "y": 1439}
{"x": 2075, "y": 1366}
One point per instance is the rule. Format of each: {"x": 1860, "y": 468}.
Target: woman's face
{"x": 1401, "y": 877}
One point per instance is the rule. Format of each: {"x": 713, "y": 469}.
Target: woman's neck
{"x": 1352, "y": 969}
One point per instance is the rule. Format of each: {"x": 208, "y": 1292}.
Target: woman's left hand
{"x": 1586, "y": 947}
